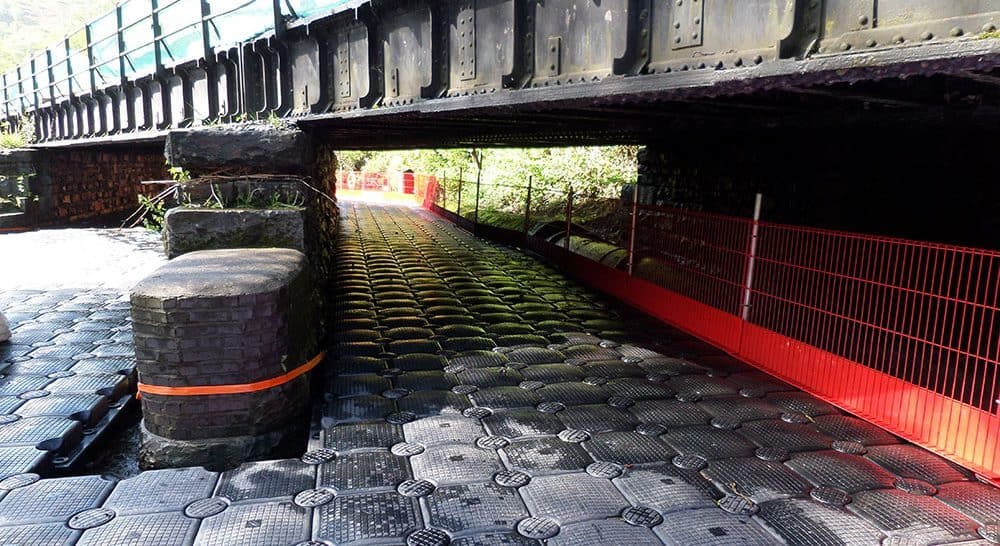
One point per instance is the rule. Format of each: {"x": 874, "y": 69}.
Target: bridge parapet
{"x": 152, "y": 65}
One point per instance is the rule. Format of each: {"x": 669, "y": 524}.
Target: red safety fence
{"x": 905, "y": 334}
{"x": 362, "y": 181}
{"x": 403, "y": 183}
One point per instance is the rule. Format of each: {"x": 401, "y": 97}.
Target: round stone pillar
{"x": 228, "y": 319}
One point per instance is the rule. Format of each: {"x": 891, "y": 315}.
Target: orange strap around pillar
{"x": 232, "y": 389}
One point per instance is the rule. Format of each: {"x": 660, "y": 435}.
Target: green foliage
{"x": 273, "y": 120}
{"x": 27, "y": 28}
{"x": 179, "y": 174}
{"x": 596, "y": 175}
{"x": 259, "y": 198}
{"x": 225, "y": 195}
{"x": 246, "y": 117}
{"x": 353, "y": 160}
{"x": 9, "y": 204}
{"x": 14, "y": 202}
{"x": 280, "y": 201}
{"x": 421, "y": 161}
{"x": 153, "y": 212}
{"x": 17, "y": 135}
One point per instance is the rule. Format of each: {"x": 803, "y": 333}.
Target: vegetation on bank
{"x": 260, "y": 192}
{"x": 27, "y": 28}
{"x": 595, "y": 174}
{"x": 16, "y": 135}
{"x": 15, "y": 194}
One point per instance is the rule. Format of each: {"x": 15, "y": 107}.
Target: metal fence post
{"x": 91, "y": 71}
{"x": 69, "y": 69}
{"x": 475, "y": 222}
{"x": 569, "y": 216}
{"x": 121, "y": 46}
{"x": 631, "y": 231}
{"x": 459, "y": 209}
{"x": 748, "y": 285}
{"x": 154, "y": 15}
{"x": 279, "y": 19}
{"x": 527, "y": 210}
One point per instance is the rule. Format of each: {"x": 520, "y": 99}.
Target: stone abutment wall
{"x": 84, "y": 186}
{"x": 90, "y": 185}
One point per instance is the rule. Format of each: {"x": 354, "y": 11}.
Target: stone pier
{"x": 222, "y": 319}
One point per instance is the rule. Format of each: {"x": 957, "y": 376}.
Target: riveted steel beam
{"x": 413, "y": 51}
{"x": 578, "y": 41}
{"x": 362, "y": 57}
{"x": 868, "y": 24}
{"x": 305, "y": 74}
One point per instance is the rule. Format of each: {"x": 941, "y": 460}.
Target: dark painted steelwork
{"x": 153, "y": 65}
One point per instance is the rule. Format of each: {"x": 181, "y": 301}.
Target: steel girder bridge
{"x": 387, "y": 73}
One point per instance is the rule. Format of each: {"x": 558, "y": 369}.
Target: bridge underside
{"x": 889, "y": 90}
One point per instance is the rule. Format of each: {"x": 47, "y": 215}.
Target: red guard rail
{"x": 406, "y": 183}
{"x": 362, "y": 181}
{"x": 905, "y": 334}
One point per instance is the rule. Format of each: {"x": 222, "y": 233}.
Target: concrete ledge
{"x": 191, "y": 229}
{"x": 222, "y": 317}
{"x": 259, "y": 148}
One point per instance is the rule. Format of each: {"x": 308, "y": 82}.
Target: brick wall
{"x": 93, "y": 186}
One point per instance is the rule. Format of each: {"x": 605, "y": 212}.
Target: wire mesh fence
{"x": 905, "y": 333}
